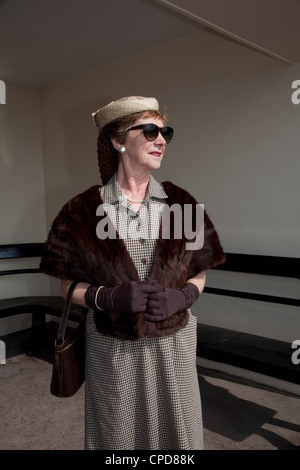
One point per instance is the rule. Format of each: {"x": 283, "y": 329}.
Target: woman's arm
{"x": 199, "y": 281}
{"x": 79, "y": 292}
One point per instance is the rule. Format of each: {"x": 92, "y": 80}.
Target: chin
{"x": 156, "y": 164}
{"x": 153, "y": 164}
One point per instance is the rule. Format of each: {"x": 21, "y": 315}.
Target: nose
{"x": 160, "y": 139}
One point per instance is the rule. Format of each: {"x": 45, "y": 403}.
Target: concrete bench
{"x": 259, "y": 354}
{"x": 38, "y": 306}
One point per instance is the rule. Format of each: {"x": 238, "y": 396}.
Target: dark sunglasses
{"x": 151, "y": 131}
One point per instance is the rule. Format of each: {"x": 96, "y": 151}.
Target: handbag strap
{"x": 65, "y": 315}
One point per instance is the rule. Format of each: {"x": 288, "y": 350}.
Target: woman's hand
{"x": 131, "y": 296}
{"x": 162, "y": 305}
{"x": 167, "y": 301}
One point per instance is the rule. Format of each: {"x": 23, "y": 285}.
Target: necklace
{"x": 132, "y": 200}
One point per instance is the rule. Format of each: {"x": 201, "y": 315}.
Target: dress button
{"x": 142, "y": 241}
{"x": 144, "y": 261}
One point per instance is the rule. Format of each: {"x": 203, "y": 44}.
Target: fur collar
{"x": 74, "y": 252}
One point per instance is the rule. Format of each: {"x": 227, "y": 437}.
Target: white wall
{"x": 236, "y": 135}
{"x": 22, "y": 202}
{"x": 235, "y": 148}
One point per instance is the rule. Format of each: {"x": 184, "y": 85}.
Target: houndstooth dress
{"x": 141, "y": 394}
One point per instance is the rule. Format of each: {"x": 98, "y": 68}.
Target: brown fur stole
{"x": 74, "y": 252}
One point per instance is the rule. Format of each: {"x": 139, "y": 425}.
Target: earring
{"x": 122, "y": 149}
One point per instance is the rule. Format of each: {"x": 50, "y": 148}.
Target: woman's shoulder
{"x": 88, "y": 197}
{"x": 177, "y": 194}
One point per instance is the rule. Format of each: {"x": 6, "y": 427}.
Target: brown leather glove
{"x": 164, "y": 303}
{"x": 131, "y": 296}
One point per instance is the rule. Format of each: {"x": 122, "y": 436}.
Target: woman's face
{"x": 139, "y": 151}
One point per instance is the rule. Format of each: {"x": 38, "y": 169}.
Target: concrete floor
{"x": 238, "y": 415}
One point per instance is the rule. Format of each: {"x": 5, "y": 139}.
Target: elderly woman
{"x": 142, "y": 388}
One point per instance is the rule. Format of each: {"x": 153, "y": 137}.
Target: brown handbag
{"x": 69, "y": 355}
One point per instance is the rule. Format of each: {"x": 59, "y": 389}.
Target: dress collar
{"x": 113, "y": 193}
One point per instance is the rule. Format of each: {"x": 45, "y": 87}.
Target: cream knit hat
{"x": 123, "y": 107}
